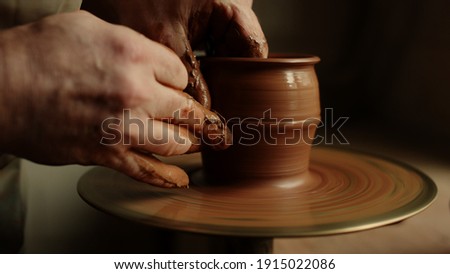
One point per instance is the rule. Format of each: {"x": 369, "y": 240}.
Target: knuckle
{"x": 129, "y": 90}
{"x": 126, "y": 45}
{"x": 126, "y": 51}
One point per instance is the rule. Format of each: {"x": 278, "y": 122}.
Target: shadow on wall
{"x": 383, "y": 62}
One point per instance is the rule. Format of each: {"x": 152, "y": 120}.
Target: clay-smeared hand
{"x": 229, "y": 26}
{"x": 77, "y": 90}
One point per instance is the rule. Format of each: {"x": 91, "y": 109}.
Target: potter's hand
{"x": 230, "y": 26}
{"x": 75, "y": 89}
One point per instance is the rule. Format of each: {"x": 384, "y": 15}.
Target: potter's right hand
{"x": 77, "y": 90}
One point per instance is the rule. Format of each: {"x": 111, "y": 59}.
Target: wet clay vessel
{"x": 272, "y": 108}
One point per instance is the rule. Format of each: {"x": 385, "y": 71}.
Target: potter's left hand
{"x": 183, "y": 25}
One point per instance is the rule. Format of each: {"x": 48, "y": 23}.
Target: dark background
{"x": 385, "y": 64}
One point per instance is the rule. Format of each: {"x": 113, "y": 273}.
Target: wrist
{"x": 14, "y": 76}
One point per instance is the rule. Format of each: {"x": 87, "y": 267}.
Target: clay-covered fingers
{"x": 212, "y": 129}
{"x": 157, "y": 84}
{"x": 181, "y": 113}
{"x": 148, "y": 169}
{"x": 196, "y": 84}
{"x": 189, "y": 126}
{"x": 235, "y": 30}
{"x": 137, "y": 137}
{"x": 160, "y": 137}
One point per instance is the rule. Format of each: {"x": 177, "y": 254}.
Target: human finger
{"x": 148, "y": 169}
{"x": 161, "y": 61}
{"x": 196, "y": 84}
{"x": 235, "y": 31}
{"x": 158, "y": 137}
{"x": 179, "y": 108}
{"x": 171, "y": 71}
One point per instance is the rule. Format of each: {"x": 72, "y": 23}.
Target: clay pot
{"x": 272, "y": 108}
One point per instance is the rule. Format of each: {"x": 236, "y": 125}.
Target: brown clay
{"x": 272, "y": 108}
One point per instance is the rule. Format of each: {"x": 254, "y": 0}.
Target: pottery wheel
{"x": 345, "y": 191}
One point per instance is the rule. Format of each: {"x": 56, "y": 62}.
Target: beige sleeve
{"x": 17, "y": 12}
